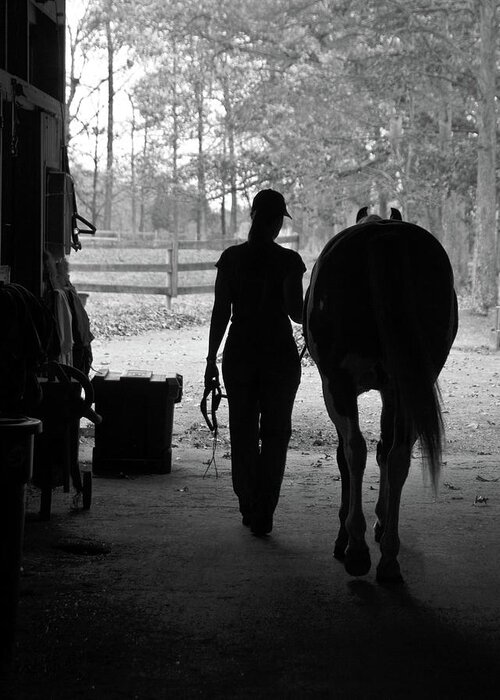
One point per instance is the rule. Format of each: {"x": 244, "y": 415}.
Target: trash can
{"x": 16, "y": 463}
{"x": 137, "y": 409}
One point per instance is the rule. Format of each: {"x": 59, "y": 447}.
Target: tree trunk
{"x": 133, "y": 194}
{"x": 108, "y": 190}
{"x": 484, "y": 268}
{"x": 233, "y": 221}
{"x": 456, "y": 232}
{"x": 223, "y": 213}
{"x": 175, "y": 147}
{"x": 229, "y": 129}
{"x": 382, "y": 202}
{"x": 201, "y": 219}
{"x": 223, "y": 178}
{"x": 95, "y": 174}
{"x": 435, "y": 217}
{"x": 73, "y": 84}
{"x": 445, "y": 119}
{"x": 143, "y": 179}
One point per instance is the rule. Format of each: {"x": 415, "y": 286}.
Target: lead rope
{"x": 212, "y": 459}
{"x": 216, "y": 395}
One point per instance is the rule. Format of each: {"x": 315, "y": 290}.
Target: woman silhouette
{"x": 258, "y": 288}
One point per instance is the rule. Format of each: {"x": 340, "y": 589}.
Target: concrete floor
{"x": 159, "y": 592}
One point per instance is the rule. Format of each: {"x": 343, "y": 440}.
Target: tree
{"x": 338, "y": 104}
{"x": 133, "y": 166}
{"x": 100, "y": 28}
{"x": 485, "y": 261}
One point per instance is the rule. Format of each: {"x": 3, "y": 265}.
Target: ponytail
{"x": 262, "y": 231}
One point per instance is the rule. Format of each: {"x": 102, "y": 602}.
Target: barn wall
{"x": 32, "y": 86}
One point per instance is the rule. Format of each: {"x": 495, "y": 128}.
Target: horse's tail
{"x": 405, "y": 347}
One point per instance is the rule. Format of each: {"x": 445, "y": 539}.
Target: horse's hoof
{"x": 378, "y": 531}
{"x": 357, "y": 562}
{"x": 389, "y": 575}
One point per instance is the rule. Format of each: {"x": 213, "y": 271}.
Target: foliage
{"x": 338, "y": 104}
{"x": 118, "y": 318}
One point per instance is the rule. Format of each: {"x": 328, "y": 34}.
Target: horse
{"x": 381, "y": 313}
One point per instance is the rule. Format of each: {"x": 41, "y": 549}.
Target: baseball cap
{"x": 270, "y": 202}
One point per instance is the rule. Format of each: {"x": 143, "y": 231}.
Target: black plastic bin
{"x": 16, "y": 464}
{"x": 137, "y": 409}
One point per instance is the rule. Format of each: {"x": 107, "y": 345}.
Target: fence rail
{"x": 171, "y": 268}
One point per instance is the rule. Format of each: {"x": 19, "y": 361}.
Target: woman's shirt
{"x": 255, "y": 274}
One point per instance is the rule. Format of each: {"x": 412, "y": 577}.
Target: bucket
{"x": 16, "y": 463}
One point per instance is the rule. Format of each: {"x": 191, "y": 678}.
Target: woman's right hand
{"x": 211, "y": 375}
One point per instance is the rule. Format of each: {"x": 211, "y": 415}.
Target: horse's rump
{"x": 411, "y": 283}
{"x": 382, "y": 294}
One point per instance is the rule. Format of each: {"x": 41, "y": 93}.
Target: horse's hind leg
{"x": 357, "y": 556}
{"x": 383, "y": 447}
{"x": 398, "y": 465}
{"x": 381, "y": 505}
{"x": 342, "y": 537}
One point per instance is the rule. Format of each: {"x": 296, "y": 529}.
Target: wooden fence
{"x": 172, "y": 267}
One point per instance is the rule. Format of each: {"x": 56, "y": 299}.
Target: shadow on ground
{"x": 159, "y": 592}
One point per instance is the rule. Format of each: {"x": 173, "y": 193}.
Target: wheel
{"x": 87, "y": 490}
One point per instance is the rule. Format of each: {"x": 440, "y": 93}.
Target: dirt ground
{"x": 158, "y": 591}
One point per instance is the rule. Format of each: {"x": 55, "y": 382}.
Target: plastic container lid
{"x": 20, "y": 424}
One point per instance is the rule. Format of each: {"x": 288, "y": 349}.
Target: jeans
{"x": 260, "y": 385}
